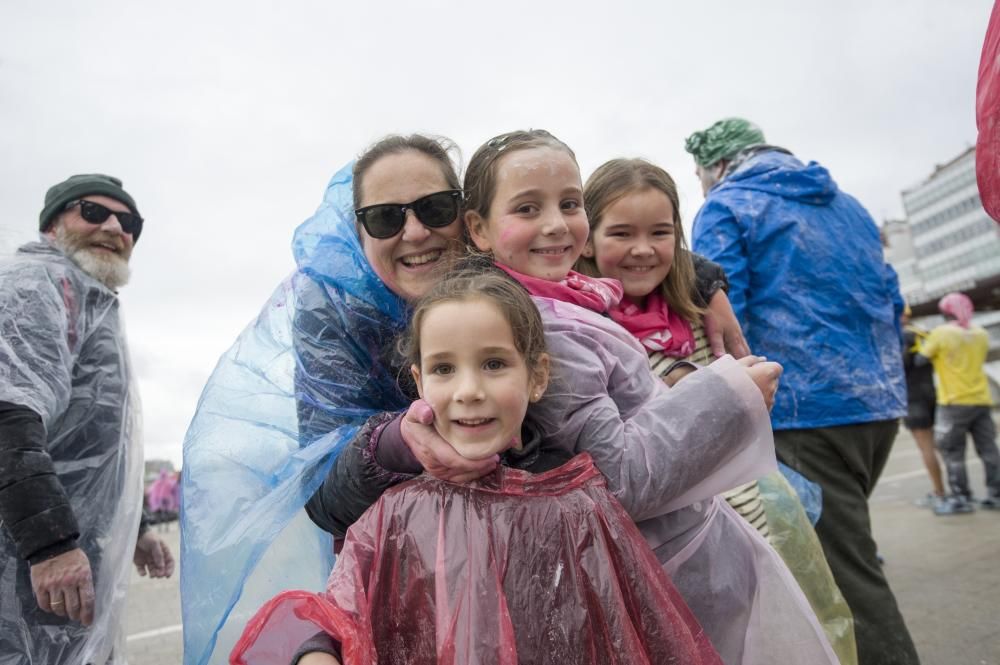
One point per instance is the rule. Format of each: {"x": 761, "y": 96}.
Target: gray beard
{"x": 112, "y": 271}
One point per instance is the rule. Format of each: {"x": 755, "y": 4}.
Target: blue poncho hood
{"x": 248, "y": 469}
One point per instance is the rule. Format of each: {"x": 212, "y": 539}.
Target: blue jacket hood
{"x": 810, "y": 286}
{"x": 781, "y": 174}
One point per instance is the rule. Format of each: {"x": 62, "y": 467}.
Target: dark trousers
{"x": 846, "y": 462}
{"x": 951, "y": 424}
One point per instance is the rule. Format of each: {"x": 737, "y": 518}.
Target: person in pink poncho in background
{"x": 162, "y": 497}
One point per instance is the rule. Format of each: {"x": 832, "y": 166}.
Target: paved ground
{"x": 945, "y": 571}
{"x": 153, "y": 618}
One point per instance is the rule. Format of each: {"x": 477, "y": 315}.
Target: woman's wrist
{"x": 390, "y": 450}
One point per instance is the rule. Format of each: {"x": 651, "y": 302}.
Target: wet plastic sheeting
{"x": 269, "y": 424}
{"x": 988, "y": 119}
{"x": 792, "y": 535}
{"x": 516, "y": 568}
{"x": 63, "y": 355}
{"x": 810, "y": 494}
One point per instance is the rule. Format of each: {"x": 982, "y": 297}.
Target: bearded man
{"x": 70, "y": 455}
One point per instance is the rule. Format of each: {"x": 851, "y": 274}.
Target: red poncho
{"x": 988, "y": 118}
{"x": 515, "y": 568}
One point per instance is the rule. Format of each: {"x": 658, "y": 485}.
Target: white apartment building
{"x": 900, "y": 254}
{"x": 956, "y": 245}
{"x": 949, "y": 243}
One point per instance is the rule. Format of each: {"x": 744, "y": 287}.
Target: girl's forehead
{"x": 541, "y": 160}
{"x": 464, "y": 323}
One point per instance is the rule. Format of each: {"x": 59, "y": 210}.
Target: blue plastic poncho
{"x": 282, "y": 402}
{"x": 811, "y": 289}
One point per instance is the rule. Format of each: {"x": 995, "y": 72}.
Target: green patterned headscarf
{"x": 723, "y": 139}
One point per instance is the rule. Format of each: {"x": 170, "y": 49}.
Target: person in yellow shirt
{"x": 958, "y": 350}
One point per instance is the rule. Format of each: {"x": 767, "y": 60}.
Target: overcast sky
{"x": 226, "y": 119}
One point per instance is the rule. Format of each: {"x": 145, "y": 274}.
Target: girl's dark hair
{"x": 613, "y": 181}
{"x": 437, "y": 148}
{"x": 475, "y": 277}
{"x": 481, "y": 175}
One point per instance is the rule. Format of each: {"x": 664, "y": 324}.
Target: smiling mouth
{"x": 638, "y": 268}
{"x": 107, "y": 247}
{"x": 416, "y": 260}
{"x": 552, "y": 251}
{"x": 474, "y": 422}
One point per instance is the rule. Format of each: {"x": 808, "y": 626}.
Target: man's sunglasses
{"x": 434, "y": 211}
{"x": 95, "y": 213}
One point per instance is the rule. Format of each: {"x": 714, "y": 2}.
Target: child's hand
{"x": 318, "y": 658}
{"x": 765, "y": 375}
{"x": 434, "y": 453}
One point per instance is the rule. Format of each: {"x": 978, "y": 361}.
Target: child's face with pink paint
{"x": 536, "y": 224}
{"x": 635, "y": 241}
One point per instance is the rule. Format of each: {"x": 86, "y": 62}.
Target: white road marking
{"x": 145, "y": 635}
{"x": 923, "y": 472}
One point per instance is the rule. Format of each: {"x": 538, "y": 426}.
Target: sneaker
{"x": 953, "y": 505}
{"x": 941, "y": 505}
{"x": 929, "y": 500}
{"x": 990, "y": 503}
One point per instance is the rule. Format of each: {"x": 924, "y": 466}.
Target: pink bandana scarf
{"x": 594, "y": 293}
{"x": 655, "y": 326}
{"x": 959, "y": 306}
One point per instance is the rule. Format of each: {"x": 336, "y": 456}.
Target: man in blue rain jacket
{"x": 811, "y": 288}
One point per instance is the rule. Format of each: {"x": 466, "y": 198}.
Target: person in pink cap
{"x": 958, "y": 349}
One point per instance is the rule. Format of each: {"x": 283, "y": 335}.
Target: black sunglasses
{"x": 95, "y": 213}
{"x": 434, "y": 211}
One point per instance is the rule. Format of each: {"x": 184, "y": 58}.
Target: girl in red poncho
{"x": 513, "y": 568}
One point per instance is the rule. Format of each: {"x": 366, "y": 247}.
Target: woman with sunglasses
{"x": 406, "y": 199}
{"x": 306, "y": 384}
{"x": 301, "y": 383}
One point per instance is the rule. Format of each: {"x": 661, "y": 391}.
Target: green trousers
{"x": 846, "y": 462}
